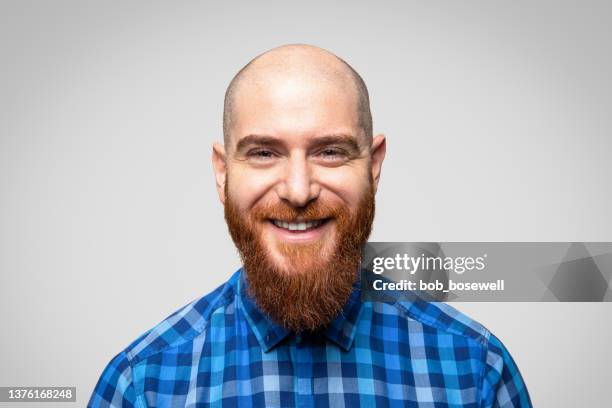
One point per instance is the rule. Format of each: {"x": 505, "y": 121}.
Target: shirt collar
{"x": 269, "y": 334}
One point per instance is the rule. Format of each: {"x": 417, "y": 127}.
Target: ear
{"x": 377, "y": 153}
{"x": 220, "y": 168}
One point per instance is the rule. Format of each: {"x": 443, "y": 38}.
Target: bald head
{"x": 301, "y": 64}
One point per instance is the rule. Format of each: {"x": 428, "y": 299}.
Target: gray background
{"x": 499, "y": 129}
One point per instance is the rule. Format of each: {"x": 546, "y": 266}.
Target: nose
{"x": 297, "y": 186}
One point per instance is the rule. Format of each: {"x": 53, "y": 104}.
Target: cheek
{"x": 246, "y": 187}
{"x": 348, "y": 184}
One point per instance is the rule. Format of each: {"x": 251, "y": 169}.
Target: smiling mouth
{"x": 299, "y": 226}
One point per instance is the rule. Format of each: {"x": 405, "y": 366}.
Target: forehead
{"x": 295, "y": 107}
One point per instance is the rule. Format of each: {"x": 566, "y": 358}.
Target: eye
{"x": 332, "y": 154}
{"x": 261, "y": 155}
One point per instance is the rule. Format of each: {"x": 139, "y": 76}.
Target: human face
{"x": 296, "y": 142}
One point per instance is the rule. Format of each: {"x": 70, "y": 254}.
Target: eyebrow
{"x": 348, "y": 140}
{"x": 260, "y": 140}
{"x": 264, "y": 140}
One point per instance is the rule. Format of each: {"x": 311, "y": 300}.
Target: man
{"x": 297, "y": 175}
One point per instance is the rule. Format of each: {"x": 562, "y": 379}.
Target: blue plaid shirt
{"x": 221, "y": 350}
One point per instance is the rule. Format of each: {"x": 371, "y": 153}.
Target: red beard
{"x": 309, "y": 290}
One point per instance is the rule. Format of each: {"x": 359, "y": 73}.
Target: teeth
{"x": 297, "y": 226}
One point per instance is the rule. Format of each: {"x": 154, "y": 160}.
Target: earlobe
{"x": 377, "y": 153}
{"x": 220, "y": 169}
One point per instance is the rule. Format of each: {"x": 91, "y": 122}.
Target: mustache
{"x": 315, "y": 210}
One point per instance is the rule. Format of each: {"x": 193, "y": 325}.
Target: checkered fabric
{"x": 221, "y": 350}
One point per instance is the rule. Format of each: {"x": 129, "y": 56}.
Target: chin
{"x": 299, "y": 258}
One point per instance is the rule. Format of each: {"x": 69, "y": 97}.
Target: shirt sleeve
{"x": 503, "y": 385}
{"x": 115, "y": 387}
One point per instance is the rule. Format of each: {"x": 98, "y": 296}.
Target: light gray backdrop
{"x": 498, "y": 117}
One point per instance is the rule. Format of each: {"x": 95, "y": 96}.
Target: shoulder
{"x": 435, "y": 325}
{"x": 435, "y": 318}
{"x": 445, "y": 318}
{"x": 184, "y": 325}
{"x": 116, "y": 387}
{"x": 500, "y": 380}
{"x": 423, "y": 314}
